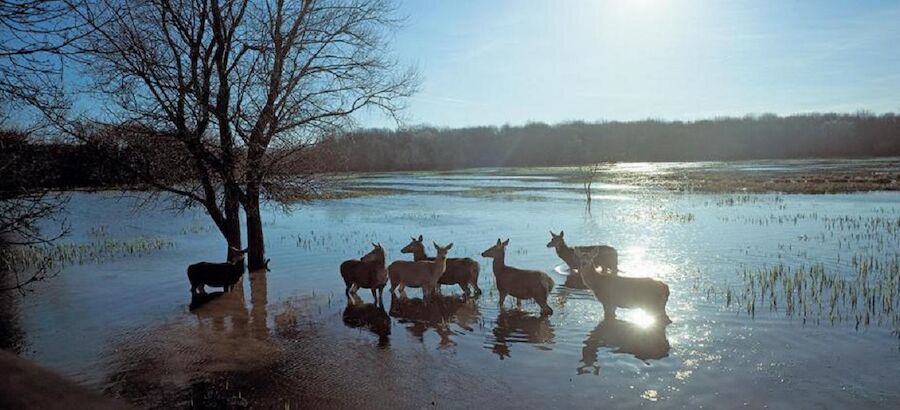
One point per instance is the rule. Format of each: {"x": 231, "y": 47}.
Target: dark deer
{"x": 219, "y": 275}
{"x": 520, "y": 283}
{"x": 367, "y": 272}
{"x": 460, "y": 271}
{"x": 603, "y": 255}
{"x": 615, "y": 291}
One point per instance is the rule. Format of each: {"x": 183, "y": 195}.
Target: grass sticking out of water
{"x": 359, "y": 193}
{"x": 869, "y": 295}
{"x": 63, "y": 254}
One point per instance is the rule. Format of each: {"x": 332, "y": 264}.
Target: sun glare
{"x": 641, "y": 318}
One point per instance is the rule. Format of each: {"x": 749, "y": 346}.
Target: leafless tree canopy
{"x": 250, "y": 90}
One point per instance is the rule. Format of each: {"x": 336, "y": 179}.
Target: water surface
{"x": 124, "y": 325}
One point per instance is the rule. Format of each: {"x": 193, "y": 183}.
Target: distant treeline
{"x": 62, "y": 165}
{"x": 538, "y": 144}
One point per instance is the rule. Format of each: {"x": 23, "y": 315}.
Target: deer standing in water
{"x": 220, "y": 275}
{"x": 420, "y": 274}
{"x": 460, "y": 271}
{"x": 367, "y": 272}
{"x": 520, "y": 283}
{"x": 615, "y": 291}
{"x": 603, "y": 255}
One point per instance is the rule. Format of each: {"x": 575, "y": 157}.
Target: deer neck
{"x": 567, "y": 254}
{"x": 419, "y": 255}
{"x": 440, "y": 264}
{"x": 499, "y": 263}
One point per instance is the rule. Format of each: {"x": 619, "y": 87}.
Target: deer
{"x": 420, "y": 274}
{"x": 220, "y": 275}
{"x": 520, "y": 283}
{"x": 460, "y": 271}
{"x": 604, "y": 256}
{"x": 367, "y": 272}
{"x": 614, "y": 291}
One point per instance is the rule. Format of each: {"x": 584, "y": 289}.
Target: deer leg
{"x": 374, "y": 297}
{"x": 477, "y": 289}
{"x": 609, "y": 311}
{"x": 502, "y": 299}
{"x": 347, "y": 290}
{"x": 518, "y": 303}
{"x": 545, "y": 308}
{"x": 465, "y": 288}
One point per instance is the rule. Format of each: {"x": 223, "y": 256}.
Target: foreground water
{"x": 124, "y": 325}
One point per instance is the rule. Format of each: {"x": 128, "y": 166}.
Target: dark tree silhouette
{"x": 245, "y": 90}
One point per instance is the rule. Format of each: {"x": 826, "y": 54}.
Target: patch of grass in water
{"x": 870, "y": 295}
{"x": 359, "y": 193}
{"x": 64, "y": 254}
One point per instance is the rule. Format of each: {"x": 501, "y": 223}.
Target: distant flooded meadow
{"x": 780, "y": 299}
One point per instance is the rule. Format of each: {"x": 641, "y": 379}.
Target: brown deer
{"x": 603, "y": 255}
{"x": 615, "y": 291}
{"x": 460, "y": 271}
{"x": 367, "y": 272}
{"x": 520, "y": 283}
{"x": 420, "y": 274}
{"x": 220, "y": 275}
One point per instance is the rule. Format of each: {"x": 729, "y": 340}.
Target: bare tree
{"x": 250, "y": 90}
{"x": 587, "y": 174}
{"x": 307, "y": 67}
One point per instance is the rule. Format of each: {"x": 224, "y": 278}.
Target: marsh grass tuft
{"x": 64, "y": 254}
{"x": 869, "y": 295}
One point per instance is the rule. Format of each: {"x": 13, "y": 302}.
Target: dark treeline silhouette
{"x": 64, "y": 165}
{"x": 537, "y": 144}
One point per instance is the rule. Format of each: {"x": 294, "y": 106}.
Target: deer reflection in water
{"x": 439, "y": 313}
{"x": 516, "y": 326}
{"x": 644, "y": 343}
{"x": 217, "y": 309}
{"x": 371, "y": 316}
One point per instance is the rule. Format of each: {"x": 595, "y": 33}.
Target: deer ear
{"x": 435, "y": 244}
{"x": 506, "y": 242}
{"x": 552, "y": 234}
{"x": 561, "y": 233}
{"x": 374, "y": 245}
{"x": 449, "y": 246}
{"x": 421, "y": 238}
{"x": 413, "y": 239}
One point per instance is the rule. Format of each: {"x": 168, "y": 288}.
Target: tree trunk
{"x": 232, "y": 230}
{"x": 255, "y": 242}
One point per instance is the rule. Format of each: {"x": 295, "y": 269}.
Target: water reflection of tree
{"x": 227, "y": 341}
{"x": 438, "y": 313}
{"x": 623, "y": 337}
{"x": 516, "y": 326}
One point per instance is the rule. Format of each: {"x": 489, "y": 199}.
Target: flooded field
{"x": 778, "y": 299}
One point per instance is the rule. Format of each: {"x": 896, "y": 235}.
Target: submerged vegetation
{"x": 869, "y": 296}
{"x": 59, "y": 255}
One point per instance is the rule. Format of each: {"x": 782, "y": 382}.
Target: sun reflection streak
{"x": 640, "y": 317}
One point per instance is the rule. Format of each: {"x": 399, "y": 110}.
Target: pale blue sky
{"x": 493, "y": 62}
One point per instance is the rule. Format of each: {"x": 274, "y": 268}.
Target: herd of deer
{"x": 612, "y": 290}
{"x": 429, "y": 273}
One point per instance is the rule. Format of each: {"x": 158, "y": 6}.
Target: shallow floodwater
{"x": 123, "y": 324}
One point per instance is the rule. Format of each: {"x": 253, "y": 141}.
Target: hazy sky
{"x": 495, "y": 62}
